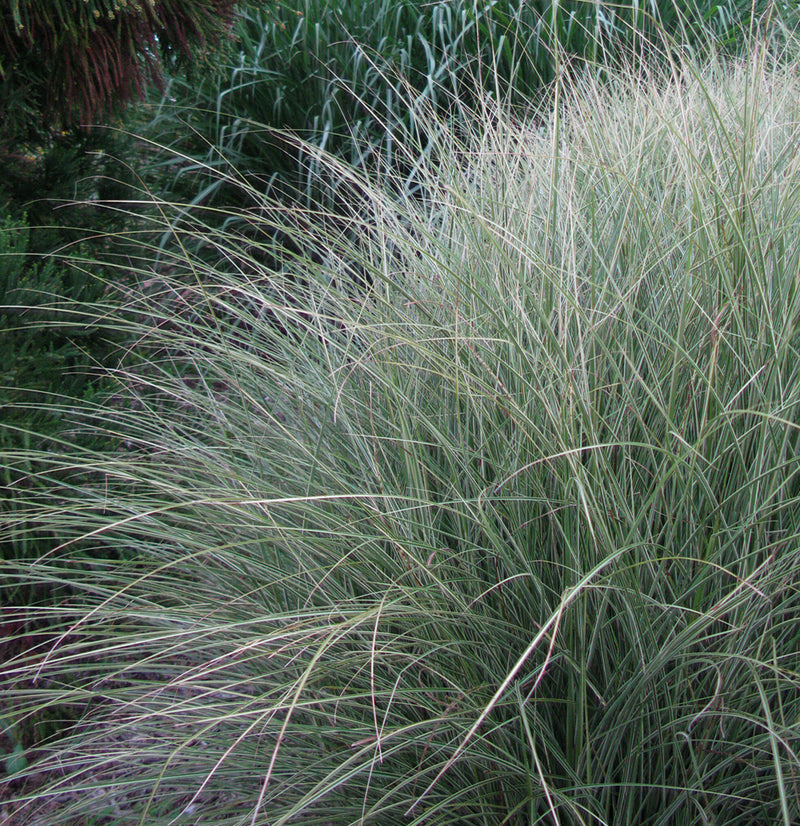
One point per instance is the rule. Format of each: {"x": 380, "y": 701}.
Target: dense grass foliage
{"x": 352, "y": 77}
{"x": 479, "y": 508}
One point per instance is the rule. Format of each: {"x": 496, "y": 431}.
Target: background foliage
{"x": 352, "y": 77}
{"x": 63, "y": 66}
{"x": 69, "y": 62}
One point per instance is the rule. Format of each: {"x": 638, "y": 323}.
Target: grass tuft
{"x": 480, "y": 507}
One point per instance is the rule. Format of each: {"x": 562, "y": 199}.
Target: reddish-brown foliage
{"x": 80, "y": 60}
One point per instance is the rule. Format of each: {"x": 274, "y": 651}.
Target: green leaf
{"x": 16, "y": 761}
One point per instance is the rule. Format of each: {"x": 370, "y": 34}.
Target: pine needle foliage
{"x": 71, "y": 62}
{"x": 485, "y": 511}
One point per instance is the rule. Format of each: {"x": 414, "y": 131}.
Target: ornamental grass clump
{"x": 477, "y": 507}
